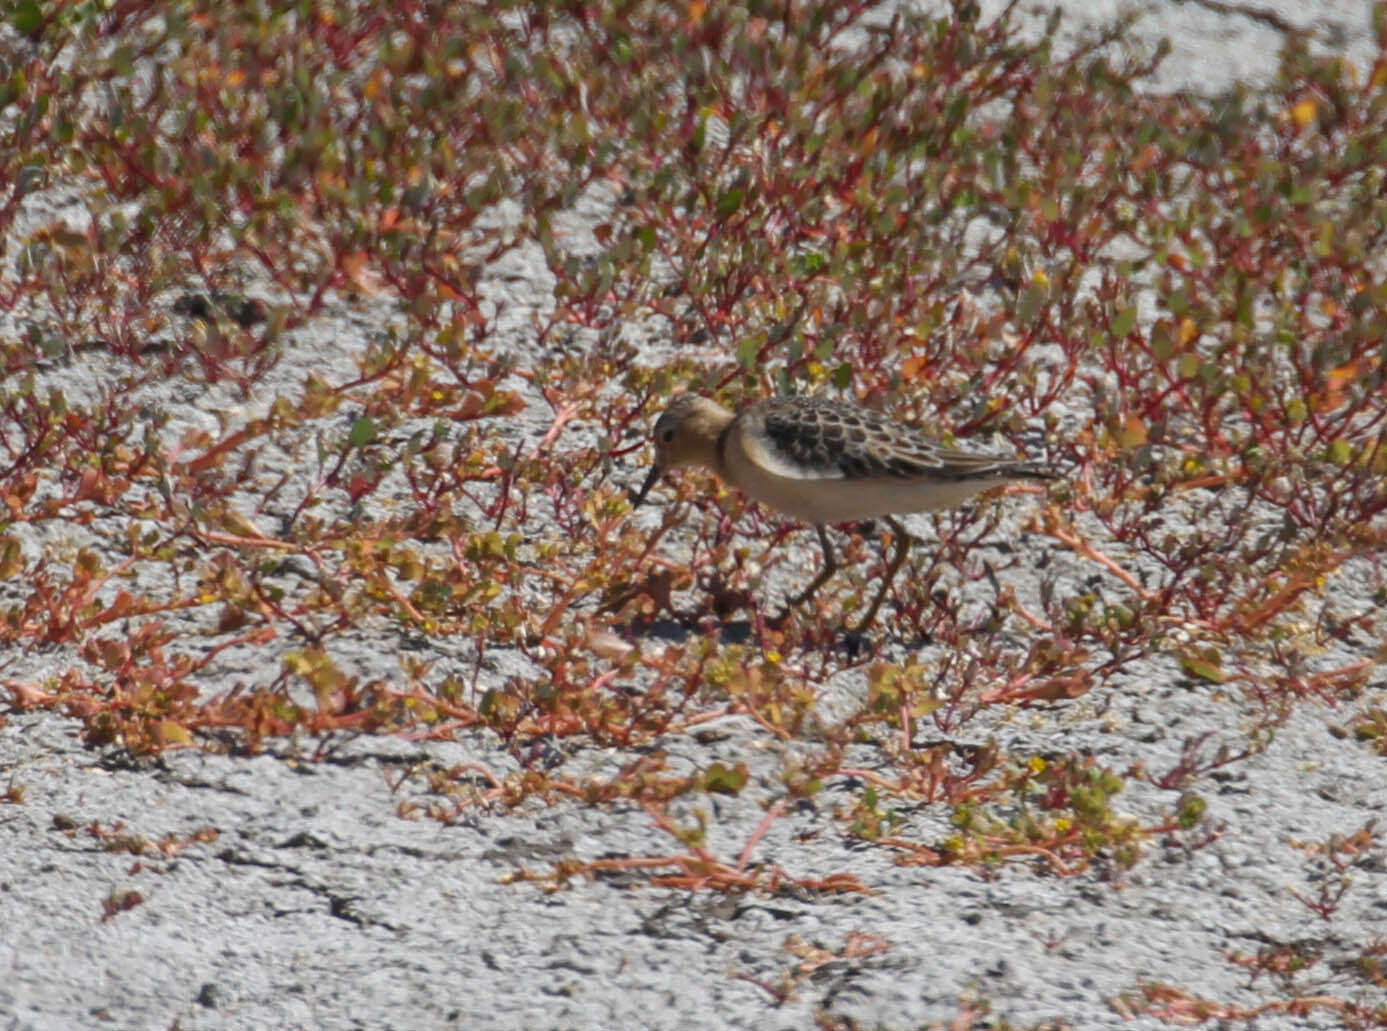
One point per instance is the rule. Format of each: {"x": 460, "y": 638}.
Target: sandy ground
{"x": 318, "y": 906}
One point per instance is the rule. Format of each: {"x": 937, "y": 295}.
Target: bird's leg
{"x": 830, "y": 567}
{"x": 897, "y": 560}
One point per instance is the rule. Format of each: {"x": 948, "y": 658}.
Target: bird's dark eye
{"x": 667, "y": 437}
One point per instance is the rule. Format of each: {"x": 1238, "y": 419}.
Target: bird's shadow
{"x": 679, "y": 631}
{"x": 856, "y": 645}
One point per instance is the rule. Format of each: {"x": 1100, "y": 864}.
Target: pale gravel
{"x": 319, "y": 906}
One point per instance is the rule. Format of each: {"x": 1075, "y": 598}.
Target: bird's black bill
{"x": 650, "y": 481}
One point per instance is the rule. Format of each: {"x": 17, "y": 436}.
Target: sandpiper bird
{"x": 824, "y": 461}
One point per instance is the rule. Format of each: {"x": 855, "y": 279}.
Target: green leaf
{"x": 1205, "y": 667}
{"x": 729, "y": 202}
{"x": 363, "y": 432}
{"x": 808, "y": 264}
{"x": 1162, "y": 343}
{"x": 1192, "y": 811}
{"x": 26, "y": 17}
{"x": 725, "y": 781}
{"x": 748, "y": 349}
{"x": 1031, "y": 300}
{"x": 1122, "y": 325}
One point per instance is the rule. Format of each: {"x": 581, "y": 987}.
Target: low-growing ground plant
{"x": 267, "y": 389}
